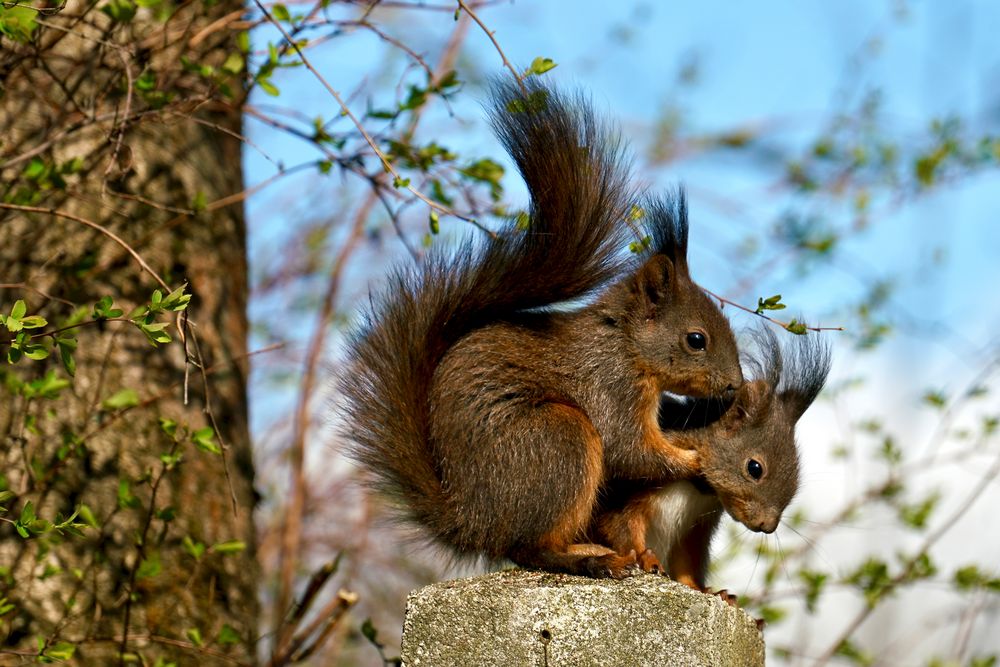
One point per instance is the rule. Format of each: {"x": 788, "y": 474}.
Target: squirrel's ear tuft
{"x": 665, "y": 220}
{"x": 805, "y": 372}
{"x": 654, "y": 284}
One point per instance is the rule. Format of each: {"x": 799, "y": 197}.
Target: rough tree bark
{"x": 80, "y": 88}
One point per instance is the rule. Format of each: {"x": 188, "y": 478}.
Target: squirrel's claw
{"x": 648, "y": 562}
{"x": 727, "y": 597}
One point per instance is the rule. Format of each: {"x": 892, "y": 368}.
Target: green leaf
{"x": 154, "y": 331}
{"x": 228, "y": 636}
{"x": 890, "y": 451}
{"x": 61, "y": 651}
{"x": 416, "y": 98}
{"x": 169, "y": 426}
{"x": 770, "y": 303}
{"x": 33, "y": 322}
{"x": 815, "y": 582}
{"x": 17, "y": 22}
{"x": 146, "y": 81}
{"x": 193, "y": 549}
{"x": 149, "y": 567}
{"x": 539, "y": 65}
{"x": 234, "y": 63}
{"x": 936, "y": 399}
{"x": 167, "y": 514}
{"x": 126, "y": 398}
{"x": 772, "y": 615}
{"x": 5, "y": 606}
{"x": 984, "y": 661}
{"x": 204, "y": 440}
{"x": 400, "y": 182}
{"x": 200, "y": 202}
{"x": 121, "y": 11}
{"x": 177, "y": 300}
{"x": 88, "y": 517}
{"x": 280, "y": 12}
{"x": 103, "y": 309}
{"x": 485, "y": 171}
{"x": 194, "y": 634}
{"x": 34, "y": 351}
{"x": 916, "y": 515}
{"x": 369, "y": 632}
{"x": 230, "y": 547}
{"x": 797, "y": 328}
{"x": 641, "y": 245}
{"x": 872, "y": 578}
{"x": 27, "y": 513}
{"x": 435, "y": 222}
{"x": 533, "y": 103}
{"x": 268, "y": 87}
{"x": 446, "y": 83}
{"x": 847, "y": 649}
{"x": 6, "y": 495}
{"x": 48, "y": 387}
{"x": 67, "y": 346}
{"x": 19, "y": 309}
{"x": 125, "y": 498}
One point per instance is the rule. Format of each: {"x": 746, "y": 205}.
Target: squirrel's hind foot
{"x": 589, "y": 560}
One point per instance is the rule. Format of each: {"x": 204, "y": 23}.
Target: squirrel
{"x": 749, "y": 465}
{"x": 492, "y": 413}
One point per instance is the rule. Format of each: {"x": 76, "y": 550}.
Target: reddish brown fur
{"x": 492, "y": 421}
{"x": 759, "y": 425}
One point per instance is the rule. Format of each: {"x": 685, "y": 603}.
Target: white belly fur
{"x": 678, "y": 506}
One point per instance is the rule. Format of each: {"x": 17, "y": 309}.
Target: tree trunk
{"x": 167, "y": 569}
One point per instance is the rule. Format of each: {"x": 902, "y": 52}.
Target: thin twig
{"x": 120, "y": 130}
{"x": 945, "y": 526}
{"x": 291, "y": 533}
{"x": 490, "y": 33}
{"x": 783, "y": 325}
{"x": 398, "y": 180}
{"x": 93, "y": 225}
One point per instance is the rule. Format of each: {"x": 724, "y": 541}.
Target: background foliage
{"x": 365, "y": 145}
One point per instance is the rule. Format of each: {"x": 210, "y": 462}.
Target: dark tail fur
{"x": 578, "y": 180}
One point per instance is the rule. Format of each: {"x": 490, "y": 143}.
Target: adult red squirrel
{"x": 491, "y": 418}
{"x": 749, "y": 464}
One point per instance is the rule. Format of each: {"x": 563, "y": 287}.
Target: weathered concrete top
{"x": 520, "y": 618}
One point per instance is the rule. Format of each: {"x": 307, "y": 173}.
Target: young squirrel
{"x": 493, "y": 419}
{"x": 749, "y": 465}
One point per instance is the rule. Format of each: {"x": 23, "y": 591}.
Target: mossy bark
{"x": 71, "y": 94}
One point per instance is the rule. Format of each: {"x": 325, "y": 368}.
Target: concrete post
{"x": 518, "y": 618}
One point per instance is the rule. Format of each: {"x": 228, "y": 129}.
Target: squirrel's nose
{"x": 765, "y": 526}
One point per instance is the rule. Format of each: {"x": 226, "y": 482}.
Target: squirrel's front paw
{"x": 688, "y": 462}
{"x": 648, "y": 562}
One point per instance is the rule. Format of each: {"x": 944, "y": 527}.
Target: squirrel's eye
{"x": 696, "y": 340}
{"x": 755, "y": 469}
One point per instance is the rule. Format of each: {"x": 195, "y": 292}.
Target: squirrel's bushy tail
{"x": 572, "y": 244}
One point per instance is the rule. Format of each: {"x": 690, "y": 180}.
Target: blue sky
{"x": 784, "y": 65}
{"x": 781, "y": 65}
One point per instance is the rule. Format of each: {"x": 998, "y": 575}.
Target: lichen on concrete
{"x": 520, "y": 618}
